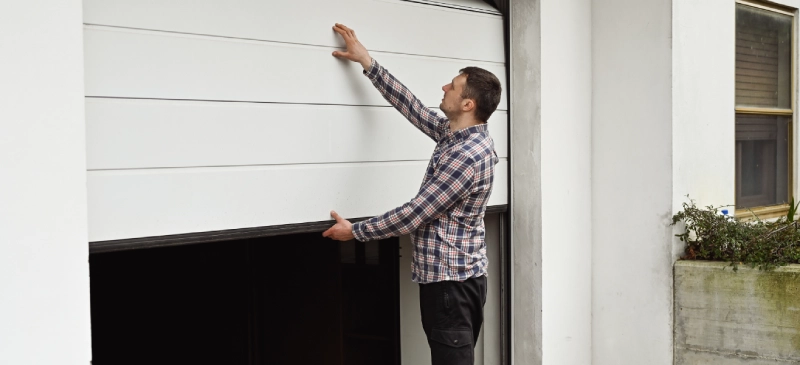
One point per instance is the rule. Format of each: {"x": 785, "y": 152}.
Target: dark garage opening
{"x": 293, "y": 299}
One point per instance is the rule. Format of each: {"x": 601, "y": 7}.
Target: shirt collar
{"x": 462, "y": 134}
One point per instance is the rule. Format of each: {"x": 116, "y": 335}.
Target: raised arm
{"x": 397, "y": 94}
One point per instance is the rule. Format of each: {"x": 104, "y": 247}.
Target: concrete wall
{"x": 44, "y": 269}
{"x": 736, "y": 318}
{"x": 631, "y": 182}
{"x": 525, "y": 114}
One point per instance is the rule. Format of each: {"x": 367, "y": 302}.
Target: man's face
{"x": 452, "y": 101}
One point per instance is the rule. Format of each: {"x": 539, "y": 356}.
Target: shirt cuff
{"x": 372, "y": 72}
{"x": 358, "y": 232}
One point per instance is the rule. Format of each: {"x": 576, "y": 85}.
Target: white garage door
{"x": 208, "y": 115}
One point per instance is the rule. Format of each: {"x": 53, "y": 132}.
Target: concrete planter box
{"x": 745, "y": 317}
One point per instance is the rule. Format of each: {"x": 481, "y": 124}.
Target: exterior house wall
{"x": 654, "y": 77}
{"x": 44, "y": 269}
{"x": 704, "y": 41}
{"x": 704, "y": 100}
{"x": 551, "y": 205}
{"x": 566, "y": 76}
{"x": 703, "y": 72}
{"x": 238, "y": 116}
{"x": 632, "y": 182}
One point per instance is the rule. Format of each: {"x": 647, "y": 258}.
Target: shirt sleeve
{"x": 397, "y": 94}
{"x": 449, "y": 185}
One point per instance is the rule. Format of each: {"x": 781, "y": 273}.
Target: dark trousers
{"x": 452, "y": 315}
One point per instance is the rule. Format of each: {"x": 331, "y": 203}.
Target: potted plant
{"x": 737, "y": 289}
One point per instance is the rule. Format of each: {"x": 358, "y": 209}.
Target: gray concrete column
{"x": 526, "y": 182}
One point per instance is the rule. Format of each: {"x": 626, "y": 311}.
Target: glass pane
{"x": 763, "y": 58}
{"x": 762, "y": 160}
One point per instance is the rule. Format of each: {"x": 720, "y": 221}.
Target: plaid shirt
{"x": 445, "y": 219}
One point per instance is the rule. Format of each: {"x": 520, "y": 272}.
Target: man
{"x": 445, "y": 219}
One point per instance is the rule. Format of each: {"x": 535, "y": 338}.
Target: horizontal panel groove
{"x": 247, "y": 102}
{"x": 310, "y": 22}
{"x": 321, "y": 46}
{"x": 135, "y": 133}
{"x": 309, "y": 164}
{"x": 234, "y": 101}
{"x": 144, "y": 64}
{"x": 131, "y": 204}
{"x": 228, "y": 235}
{"x": 260, "y": 167}
{"x": 455, "y": 6}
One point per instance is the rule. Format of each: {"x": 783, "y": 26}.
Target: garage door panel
{"x": 145, "y": 64}
{"x": 378, "y": 23}
{"x": 135, "y": 133}
{"x": 145, "y": 203}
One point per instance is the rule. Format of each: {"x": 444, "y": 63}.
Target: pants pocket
{"x": 451, "y": 347}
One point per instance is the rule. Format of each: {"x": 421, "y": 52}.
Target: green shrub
{"x": 762, "y": 243}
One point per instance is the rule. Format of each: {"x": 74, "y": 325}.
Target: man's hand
{"x": 355, "y": 50}
{"x": 341, "y": 231}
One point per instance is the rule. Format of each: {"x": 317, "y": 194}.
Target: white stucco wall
{"x": 631, "y": 182}
{"x": 566, "y": 181}
{"x": 703, "y": 115}
{"x": 703, "y": 101}
{"x": 44, "y": 269}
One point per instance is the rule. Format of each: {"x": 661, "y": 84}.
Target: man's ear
{"x": 468, "y": 105}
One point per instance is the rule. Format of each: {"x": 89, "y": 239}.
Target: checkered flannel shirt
{"x": 445, "y": 219}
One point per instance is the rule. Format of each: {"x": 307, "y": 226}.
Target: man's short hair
{"x": 483, "y": 87}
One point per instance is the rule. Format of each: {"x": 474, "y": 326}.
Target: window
{"x": 764, "y": 106}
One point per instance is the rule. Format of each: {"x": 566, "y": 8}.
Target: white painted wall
{"x": 44, "y": 269}
{"x": 632, "y": 182}
{"x": 566, "y": 107}
{"x": 703, "y": 102}
{"x": 238, "y": 116}
{"x": 703, "y": 91}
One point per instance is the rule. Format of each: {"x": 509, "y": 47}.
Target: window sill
{"x": 769, "y": 212}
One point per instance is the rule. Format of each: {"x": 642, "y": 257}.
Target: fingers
{"x": 333, "y": 233}
{"x": 344, "y": 30}
{"x": 349, "y": 31}
{"x": 341, "y": 31}
{"x": 336, "y": 216}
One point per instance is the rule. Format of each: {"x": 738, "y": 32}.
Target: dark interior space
{"x": 293, "y": 299}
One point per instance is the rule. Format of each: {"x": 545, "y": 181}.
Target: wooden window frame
{"x": 773, "y": 211}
